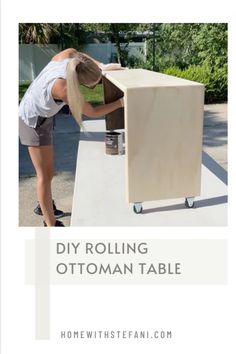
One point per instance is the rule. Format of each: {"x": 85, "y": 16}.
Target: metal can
{"x": 114, "y": 143}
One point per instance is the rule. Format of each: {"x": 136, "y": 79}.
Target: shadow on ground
{"x": 215, "y": 131}
{"x": 197, "y": 204}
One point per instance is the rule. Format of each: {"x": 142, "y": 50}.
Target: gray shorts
{"x": 40, "y": 135}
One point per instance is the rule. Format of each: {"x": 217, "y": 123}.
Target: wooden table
{"x": 163, "y": 121}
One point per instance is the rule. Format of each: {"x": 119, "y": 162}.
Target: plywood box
{"x": 163, "y": 120}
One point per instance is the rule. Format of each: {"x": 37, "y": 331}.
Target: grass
{"x": 22, "y": 88}
{"x": 94, "y": 96}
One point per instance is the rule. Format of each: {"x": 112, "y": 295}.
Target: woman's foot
{"x": 58, "y": 223}
{"x": 57, "y": 213}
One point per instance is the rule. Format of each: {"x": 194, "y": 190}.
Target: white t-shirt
{"x": 38, "y": 100}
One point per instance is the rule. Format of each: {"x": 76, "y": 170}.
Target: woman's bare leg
{"x": 42, "y": 158}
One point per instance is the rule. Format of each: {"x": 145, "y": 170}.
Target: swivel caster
{"x": 189, "y": 202}
{"x": 137, "y": 208}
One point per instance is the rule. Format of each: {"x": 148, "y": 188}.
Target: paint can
{"x": 114, "y": 143}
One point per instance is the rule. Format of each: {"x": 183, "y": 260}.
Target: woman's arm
{"x": 102, "y": 110}
{"x": 99, "y": 64}
{"x": 64, "y": 54}
{"x": 73, "y": 53}
{"x": 105, "y": 67}
{"x": 59, "y": 92}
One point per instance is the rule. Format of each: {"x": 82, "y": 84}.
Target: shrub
{"x": 214, "y": 79}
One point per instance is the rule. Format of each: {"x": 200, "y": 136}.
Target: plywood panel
{"x": 163, "y": 125}
{"x": 114, "y": 120}
{"x": 164, "y": 142}
{"x": 140, "y": 78}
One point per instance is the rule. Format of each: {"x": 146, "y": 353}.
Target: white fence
{"x": 32, "y": 57}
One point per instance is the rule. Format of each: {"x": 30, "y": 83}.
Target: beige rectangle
{"x": 199, "y": 262}
{"x": 42, "y": 283}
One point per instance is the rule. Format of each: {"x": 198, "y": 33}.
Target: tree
{"x": 118, "y": 33}
{"x": 74, "y": 34}
{"x": 38, "y": 33}
{"x": 185, "y": 44}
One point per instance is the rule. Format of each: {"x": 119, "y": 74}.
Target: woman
{"x": 57, "y": 85}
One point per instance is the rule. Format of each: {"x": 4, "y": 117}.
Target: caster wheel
{"x": 189, "y": 202}
{"x": 137, "y": 208}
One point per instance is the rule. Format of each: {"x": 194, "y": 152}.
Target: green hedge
{"x": 214, "y": 79}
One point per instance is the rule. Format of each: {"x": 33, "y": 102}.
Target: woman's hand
{"x": 111, "y": 66}
{"x": 102, "y": 110}
{"x": 121, "y": 102}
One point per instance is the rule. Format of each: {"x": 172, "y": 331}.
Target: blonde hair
{"x": 80, "y": 70}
